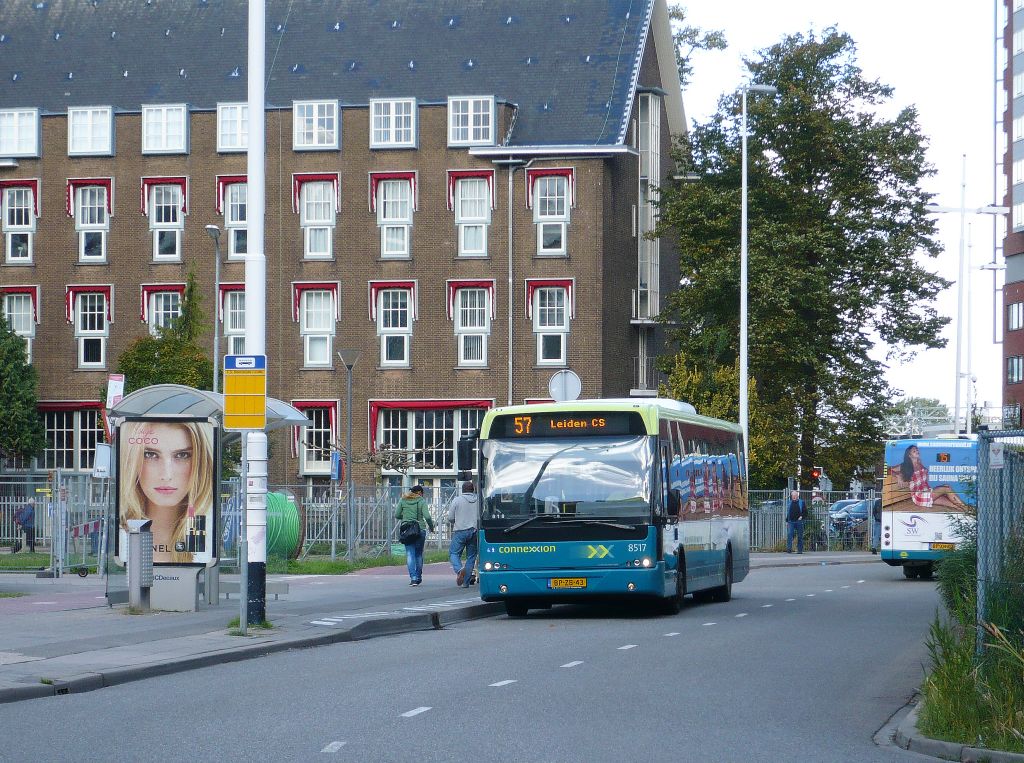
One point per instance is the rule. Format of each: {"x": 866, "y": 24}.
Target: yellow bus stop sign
{"x": 245, "y": 392}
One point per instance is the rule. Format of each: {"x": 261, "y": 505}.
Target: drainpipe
{"x": 512, "y": 164}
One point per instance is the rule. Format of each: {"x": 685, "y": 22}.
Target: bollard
{"x": 140, "y": 563}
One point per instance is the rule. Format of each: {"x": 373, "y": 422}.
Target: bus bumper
{"x": 498, "y": 585}
{"x": 900, "y": 558}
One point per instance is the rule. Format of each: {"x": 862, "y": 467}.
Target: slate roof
{"x": 570, "y": 65}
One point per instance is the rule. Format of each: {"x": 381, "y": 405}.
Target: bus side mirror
{"x": 675, "y": 500}
{"x": 466, "y": 456}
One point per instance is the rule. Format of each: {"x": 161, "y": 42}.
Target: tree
{"x": 22, "y": 434}
{"x": 836, "y": 216}
{"x": 688, "y": 39}
{"x": 172, "y": 356}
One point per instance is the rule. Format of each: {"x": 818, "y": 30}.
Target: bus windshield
{"x": 599, "y": 477}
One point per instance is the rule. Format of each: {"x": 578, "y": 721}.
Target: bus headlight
{"x": 645, "y": 563}
{"x": 488, "y": 566}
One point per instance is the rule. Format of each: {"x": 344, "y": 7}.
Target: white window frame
{"x": 542, "y": 328}
{"x": 232, "y": 127}
{"x": 306, "y": 121}
{"x": 316, "y": 332}
{"x": 163, "y": 308}
{"x": 463, "y": 111}
{"x": 160, "y": 227}
{"x": 18, "y": 312}
{"x": 313, "y": 222}
{"x": 1018, "y": 216}
{"x": 92, "y": 126}
{"x": 321, "y": 418}
{"x": 91, "y": 219}
{"x": 1018, "y": 128}
{"x": 19, "y": 133}
{"x": 13, "y": 199}
{"x": 398, "y": 428}
{"x": 466, "y": 221}
{"x": 385, "y": 132}
{"x": 394, "y": 217}
{"x": 1015, "y": 316}
{"x": 545, "y": 217}
{"x": 234, "y": 321}
{"x": 236, "y": 219}
{"x": 158, "y": 137}
{"x": 71, "y": 435}
{"x": 475, "y": 330}
{"x": 84, "y": 335}
{"x": 388, "y": 333}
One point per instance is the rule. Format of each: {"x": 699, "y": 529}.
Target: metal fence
{"x": 1000, "y": 530}
{"x": 323, "y": 518}
{"x": 824, "y": 530}
{"x": 70, "y": 516}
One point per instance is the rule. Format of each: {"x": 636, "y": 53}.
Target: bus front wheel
{"x": 673, "y": 604}
{"x": 515, "y": 608}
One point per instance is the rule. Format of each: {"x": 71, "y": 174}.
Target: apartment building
{"x": 460, "y": 191}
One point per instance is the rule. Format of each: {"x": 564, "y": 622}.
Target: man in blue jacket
{"x": 795, "y": 516}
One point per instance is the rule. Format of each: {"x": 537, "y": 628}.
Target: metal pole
{"x": 960, "y": 294}
{"x": 216, "y": 316}
{"x": 744, "y": 411}
{"x": 351, "y": 514}
{"x": 243, "y": 550}
{"x": 970, "y": 381}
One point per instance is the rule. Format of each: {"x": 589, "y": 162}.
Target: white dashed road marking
{"x": 846, "y": 586}
{"x": 742, "y": 614}
{"x": 828, "y": 590}
{"x": 790, "y": 599}
{"x": 673, "y": 633}
{"x": 628, "y": 646}
{"x": 506, "y": 682}
{"x": 572, "y": 664}
{"x": 417, "y": 711}
{"x": 321, "y": 622}
{"x": 44, "y": 602}
{"x": 710, "y": 623}
{"x": 333, "y": 747}
{"x": 860, "y": 581}
{"x": 810, "y": 596}
{"x": 765, "y": 606}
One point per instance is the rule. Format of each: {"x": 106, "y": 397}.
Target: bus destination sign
{"x": 568, "y": 424}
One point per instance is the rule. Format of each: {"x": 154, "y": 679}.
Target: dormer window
{"x": 91, "y": 131}
{"x": 19, "y": 132}
{"x": 393, "y": 123}
{"x": 315, "y": 125}
{"x": 165, "y": 129}
{"x": 471, "y": 121}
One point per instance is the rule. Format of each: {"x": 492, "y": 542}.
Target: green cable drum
{"x": 283, "y": 526}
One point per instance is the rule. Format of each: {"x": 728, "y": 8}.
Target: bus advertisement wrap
{"x": 928, "y": 487}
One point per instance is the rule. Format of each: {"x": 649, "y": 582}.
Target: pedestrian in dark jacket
{"x": 795, "y": 516}
{"x": 413, "y": 508}
{"x": 25, "y": 518}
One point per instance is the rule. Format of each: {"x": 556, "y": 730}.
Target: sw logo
{"x": 597, "y": 552}
{"x": 911, "y": 524}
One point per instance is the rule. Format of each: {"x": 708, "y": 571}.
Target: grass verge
{"x": 24, "y": 560}
{"x": 10, "y": 594}
{"x": 325, "y": 566}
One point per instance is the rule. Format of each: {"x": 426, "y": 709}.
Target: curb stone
{"x": 367, "y": 629}
{"x": 909, "y": 738}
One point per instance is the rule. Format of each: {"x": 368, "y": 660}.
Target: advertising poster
{"x": 929, "y": 475}
{"x": 167, "y": 474}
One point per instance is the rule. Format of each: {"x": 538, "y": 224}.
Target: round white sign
{"x": 564, "y": 385}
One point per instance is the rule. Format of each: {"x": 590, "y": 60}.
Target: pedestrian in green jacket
{"x": 413, "y": 508}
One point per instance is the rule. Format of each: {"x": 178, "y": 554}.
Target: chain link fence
{"x": 1000, "y": 530}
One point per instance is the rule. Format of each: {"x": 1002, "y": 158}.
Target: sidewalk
{"x": 61, "y": 637}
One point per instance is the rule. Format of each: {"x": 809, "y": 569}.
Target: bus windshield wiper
{"x": 535, "y": 517}
{"x": 602, "y": 523}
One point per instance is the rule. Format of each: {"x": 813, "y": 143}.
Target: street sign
{"x": 245, "y": 392}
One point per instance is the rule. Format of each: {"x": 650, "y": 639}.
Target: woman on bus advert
{"x": 166, "y": 473}
{"x": 911, "y": 476}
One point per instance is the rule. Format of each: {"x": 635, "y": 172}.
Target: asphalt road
{"x": 805, "y": 664}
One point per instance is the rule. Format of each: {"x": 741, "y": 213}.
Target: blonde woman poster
{"x": 166, "y": 471}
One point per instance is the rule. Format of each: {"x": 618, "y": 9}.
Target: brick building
{"x": 455, "y": 190}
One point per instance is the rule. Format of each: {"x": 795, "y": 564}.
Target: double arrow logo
{"x": 599, "y": 552}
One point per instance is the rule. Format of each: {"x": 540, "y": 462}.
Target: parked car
{"x": 841, "y": 506}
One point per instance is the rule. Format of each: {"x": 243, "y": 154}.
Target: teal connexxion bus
{"x": 635, "y": 500}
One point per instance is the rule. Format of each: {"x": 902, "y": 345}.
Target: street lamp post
{"x": 349, "y": 359}
{"x": 214, "y": 233}
{"x": 962, "y": 280}
{"x": 744, "y": 398}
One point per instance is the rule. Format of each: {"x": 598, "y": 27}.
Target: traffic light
{"x": 816, "y": 472}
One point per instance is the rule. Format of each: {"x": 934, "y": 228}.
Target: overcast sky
{"x": 939, "y": 57}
